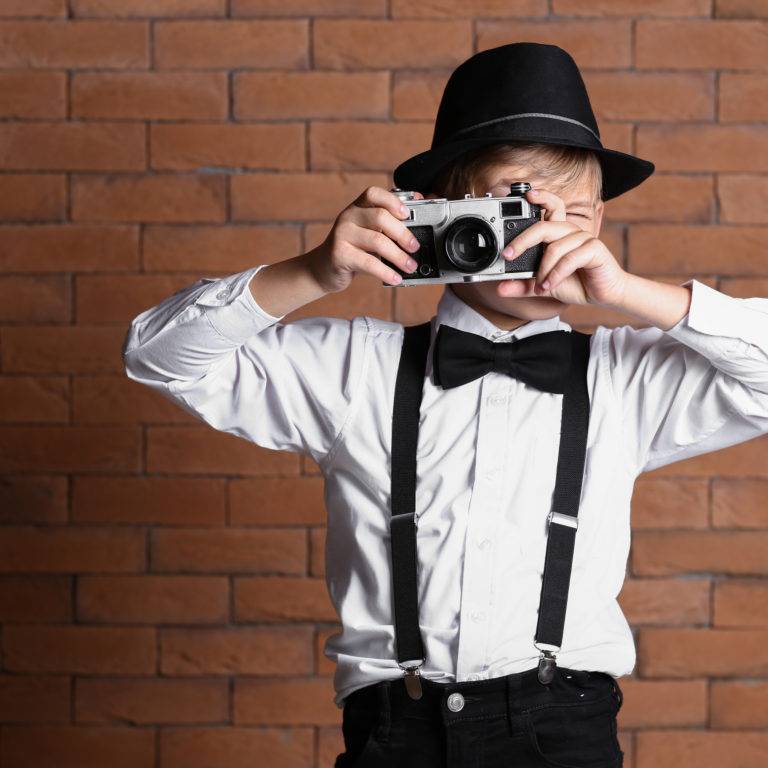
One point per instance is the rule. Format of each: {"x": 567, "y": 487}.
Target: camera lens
{"x": 470, "y": 244}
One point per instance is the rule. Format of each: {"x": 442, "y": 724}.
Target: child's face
{"x": 483, "y": 296}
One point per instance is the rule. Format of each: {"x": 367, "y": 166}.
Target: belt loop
{"x": 385, "y": 709}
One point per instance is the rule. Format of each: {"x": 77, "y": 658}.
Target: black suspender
{"x": 560, "y": 540}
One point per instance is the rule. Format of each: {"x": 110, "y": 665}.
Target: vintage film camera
{"x": 462, "y": 240}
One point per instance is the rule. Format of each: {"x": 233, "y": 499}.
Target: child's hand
{"x": 371, "y": 226}
{"x": 577, "y": 267}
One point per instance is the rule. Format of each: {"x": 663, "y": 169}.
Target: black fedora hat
{"x": 528, "y": 92}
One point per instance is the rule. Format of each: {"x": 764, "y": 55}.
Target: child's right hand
{"x": 371, "y": 226}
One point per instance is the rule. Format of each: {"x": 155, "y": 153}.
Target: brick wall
{"x": 161, "y": 585}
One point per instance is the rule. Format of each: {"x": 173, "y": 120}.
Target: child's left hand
{"x": 577, "y": 266}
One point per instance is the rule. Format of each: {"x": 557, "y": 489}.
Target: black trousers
{"x": 511, "y": 722}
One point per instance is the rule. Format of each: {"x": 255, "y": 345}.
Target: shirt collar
{"x": 454, "y": 311}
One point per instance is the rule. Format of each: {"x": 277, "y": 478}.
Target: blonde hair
{"x": 560, "y": 165}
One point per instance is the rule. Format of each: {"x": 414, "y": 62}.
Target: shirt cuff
{"x": 717, "y": 324}
{"x": 231, "y": 307}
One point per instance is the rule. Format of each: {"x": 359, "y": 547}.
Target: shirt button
{"x": 478, "y": 616}
{"x": 484, "y": 543}
{"x": 496, "y": 400}
{"x": 455, "y": 702}
{"x": 491, "y": 473}
{"x": 473, "y": 677}
{"x": 222, "y": 294}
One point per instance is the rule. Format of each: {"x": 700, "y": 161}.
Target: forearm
{"x": 656, "y": 303}
{"x": 286, "y": 285}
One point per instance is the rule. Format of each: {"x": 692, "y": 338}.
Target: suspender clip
{"x": 547, "y": 663}
{"x": 412, "y": 679}
{"x": 559, "y": 517}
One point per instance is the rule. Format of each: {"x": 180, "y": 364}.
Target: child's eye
{"x": 583, "y": 215}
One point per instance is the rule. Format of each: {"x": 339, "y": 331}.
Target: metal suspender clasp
{"x": 412, "y": 678}
{"x": 559, "y": 517}
{"x": 547, "y": 663}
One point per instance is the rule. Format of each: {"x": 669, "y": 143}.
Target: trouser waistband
{"x": 511, "y": 695}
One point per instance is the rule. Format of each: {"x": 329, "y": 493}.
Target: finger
{"x": 361, "y": 261}
{"x": 557, "y": 249}
{"x": 517, "y": 287}
{"x": 378, "y": 197}
{"x": 379, "y": 244}
{"x": 540, "y": 232}
{"x": 381, "y": 220}
{"x": 553, "y": 205}
{"x": 576, "y": 259}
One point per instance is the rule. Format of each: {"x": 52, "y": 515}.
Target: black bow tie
{"x": 542, "y": 360}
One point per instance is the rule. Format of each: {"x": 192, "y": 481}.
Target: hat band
{"x": 517, "y": 117}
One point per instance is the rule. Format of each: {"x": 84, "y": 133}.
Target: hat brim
{"x": 621, "y": 171}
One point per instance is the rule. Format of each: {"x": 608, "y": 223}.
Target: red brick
{"x": 651, "y": 95}
{"x": 222, "y": 249}
{"x": 62, "y": 349}
{"x": 632, "y": 7}
{"x": 282, "y": 44}
{"x": 373, "y": 44}
{"x": 33, "y": 94}
{"x": 363, "y": 145}
{"x": 34, "y": 699}
{"x": 204, "y": 747}
{"x": 151, "y": 198}
{"x": 309, "y": 8}
{"x": 330, "y": 744}
{"x": 317, "y": 551}
{"x": 33, "y": 499}
{"x": 32, "y": 197}
{"x": 741, "y": 9}
{"x": 269, "y": 95}
{"x": 453, "y": 9}
{"x": 742, "y": 97}
{"x": 323, "y": 664}
{"x": 665, "y": 601}
{"x": 242, "y": 650}
{"x": 695, "y": 652}
{"x": 150, "y": 95}
{"x": 151, "y": 701}
{"x": 34, "y": 299}
{"x": 737, "y": 704}
{"x": 205, "y": 450}
{"x": 17, "y": 8}
{"x": 72, "y": 146}
{"x": 716, "y": 749}
{"x": 678, "y": 503}
{"x": 68, "y": 747}
{"x": 595, "y": 44}
{"x": 119, "y": 400}
{"x": 79, "y": 650}
{"x": 176, "y": 8}
{"x": 273, "y": 146}
{"x": 32, "y": 599}
{"x": 275, "y": 598}
{"x": 148, "y": 500}
{"x": 273, "y": 196}
{"x": 152, "y": 599}
{"x": 69, "y": 449}
{"x": 416, "y": 95}
{"x": 277, "y": 501}
{"x": 666, "y": 197}
{"x": 668, "y": 248}
{"x": 57, "y": 248}
{"x": 740, "y": 460}
{"x": 739, "y": 503}
{"x": 241, "y": 550}
{"x": 745, "y": 287}
{"x": 741, "y": 603}
{"x": 655, "y": 554}
{"x": 34, "y": 399}
{"x": 283, "y": 701}
{"x": 702, "y": 44}
{"x": 742, "y": 199}
{"x": 663, "y": 703}
{"x": 79, "y": 550}
{"x": 74, "y": 44}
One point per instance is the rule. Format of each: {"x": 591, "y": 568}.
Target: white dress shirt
{"x": 487, "y": 455}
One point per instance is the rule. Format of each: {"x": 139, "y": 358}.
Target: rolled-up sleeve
{"x": 697, "y": 387}
{"x": 213, "y": 350}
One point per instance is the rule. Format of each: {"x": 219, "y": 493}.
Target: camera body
{"x": 462, "y": 240}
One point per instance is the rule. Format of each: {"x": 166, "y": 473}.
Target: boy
{"x": 481, "y": 690}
